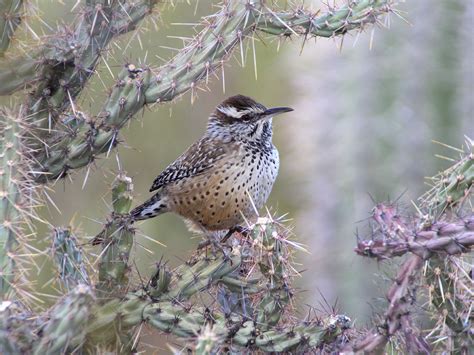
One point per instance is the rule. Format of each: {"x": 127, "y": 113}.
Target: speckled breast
{"x": 230, "y": 192}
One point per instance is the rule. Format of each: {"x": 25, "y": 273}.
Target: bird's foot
{"x": 218, "y": 244}
{"x": 236, "y": 229}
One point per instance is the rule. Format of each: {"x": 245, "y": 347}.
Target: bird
{"x": 225, "y": 177}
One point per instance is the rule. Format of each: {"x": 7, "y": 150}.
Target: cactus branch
{"x": 400, "y": 298}
{"x": 394, "y": 236}
{"x": 10, "y": 18}
{"x": 452, "y": 310}
{"x": 117, "y": 240}
{"x": 63, "y": 65}
{"x": 65, "y": 324}
{"x": 14, "y": 203}
{"x": 194, "y": 65}
{"x": 69, "y": 259}
{"x": 186, "y": 323}
{"x": 354, "y": 15}
{"x": 79, "y": 53}
{"x": 453, "y": 186}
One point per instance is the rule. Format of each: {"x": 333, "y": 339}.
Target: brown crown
{"x": 234, "y": 104}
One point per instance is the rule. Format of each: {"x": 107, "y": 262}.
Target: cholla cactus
{"x": 250, "y": 276}
{"x": 437, "y": 238}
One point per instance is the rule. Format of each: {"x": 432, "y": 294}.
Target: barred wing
{"x": 198, "y": 158}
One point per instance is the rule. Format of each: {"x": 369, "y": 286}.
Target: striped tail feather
{"x": 149, "y": 209}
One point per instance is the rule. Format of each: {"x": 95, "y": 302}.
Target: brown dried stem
{"x": 448, "y": 238}
{"x": 397, "y": 316}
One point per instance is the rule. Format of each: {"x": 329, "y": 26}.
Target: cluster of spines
{"x": 450, "y": 301}
{"x": 452, "y": 187}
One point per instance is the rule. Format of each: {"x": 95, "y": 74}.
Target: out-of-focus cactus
{"x": 10, "y": 196}
{"x": 206, "y": 342}
{"x": 17, "y": 328}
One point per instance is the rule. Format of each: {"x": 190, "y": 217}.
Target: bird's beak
{"x": 276, "y": 111}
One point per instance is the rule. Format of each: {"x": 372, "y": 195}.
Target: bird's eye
{"x": 247, "y": 117}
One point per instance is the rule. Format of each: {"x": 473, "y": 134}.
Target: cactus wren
{"x": 221, "y": 179}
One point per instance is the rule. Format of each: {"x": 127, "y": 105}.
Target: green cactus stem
{"x": 448, "y": 303}
{"x": 187, "y": 322}
{"x": 272, "y": 260}
{"x": 12, "y": 203}
{"x": 65, "y": 324}
{"x": 68, "y": 256}
{"x": 201, "y": 275}
{"x": 10, "y": 18}
{"x": 116, "y": 240}
{"x": 451, "y": 187}
{"x": 354, "y": 15}
{"x": 15, "y": 74}
{"x": 194, "y": 65}
{"x": 63, "y": 65}
{"x": 17, "y": 328}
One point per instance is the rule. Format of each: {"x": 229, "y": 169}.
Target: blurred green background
{"x": 366, "y": 112}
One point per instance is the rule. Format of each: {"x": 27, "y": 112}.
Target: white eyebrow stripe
{"x": 232, "y": 111}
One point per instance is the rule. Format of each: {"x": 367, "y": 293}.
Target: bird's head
{"x": 242, "y": 117}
